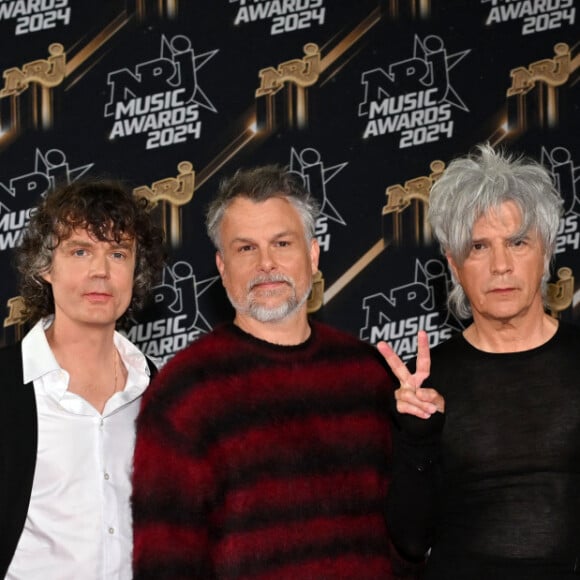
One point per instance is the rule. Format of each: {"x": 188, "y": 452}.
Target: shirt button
{"x": 111, "y": 530}
{"x": 107, "y": 476}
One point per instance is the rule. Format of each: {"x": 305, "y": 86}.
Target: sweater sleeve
{"x": 172, "y": 483}
{"x": 412, "y": 497}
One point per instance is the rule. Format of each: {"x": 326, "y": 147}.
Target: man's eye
{"x": 79, "y": 252}
{"x": 283, "y": 244}
{"x": 118, "y": 255}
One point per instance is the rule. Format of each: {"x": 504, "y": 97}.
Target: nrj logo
{"x": 418, "y": 305}
{"x": 174, "y": 319}
{"x": 566, "y": 176}
{"x": 50, "y": 169}
{"x": 160, "y": 98}
{"x": 414, "y": 97}
{"x": 567, "y": 180}
{"x": 308, "y": 164}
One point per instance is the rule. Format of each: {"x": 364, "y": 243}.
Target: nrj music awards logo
{"x": 536, "y": 15}
{"x": 566, "y": 176}
{"x": 283, "y": 15}
{"x": 309, "y": 165}
{"x": 396, "y": 317}
{"x": 413, "y": 98}
{"x": 50, "y": 168}
{"x": 161, "y": 99}
{"x": 174, "y": 318}
{"x": 35, "y": 15}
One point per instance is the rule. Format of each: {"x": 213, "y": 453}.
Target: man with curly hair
{"x": 89, "y": 256}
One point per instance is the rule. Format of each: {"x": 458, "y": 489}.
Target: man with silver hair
{"x": 488, "y": 424}
{"x": 494, "y": 180}
{"x": 263, "y": 448}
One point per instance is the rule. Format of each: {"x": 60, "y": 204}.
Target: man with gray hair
{"x": 263, "y": 449}
{"x": 488, "y": 440}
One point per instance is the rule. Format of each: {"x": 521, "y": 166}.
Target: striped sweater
{"x": 264, "y": 462}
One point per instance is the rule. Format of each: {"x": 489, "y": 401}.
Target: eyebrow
{"x": 514, "y": 236}
{"x": 123, "y": 244}
{"x": 284, "y": 234}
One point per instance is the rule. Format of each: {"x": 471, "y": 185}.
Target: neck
{"x": 509, "y": 335}
{"x": 290, "y": 331}
{"x": 89, "y": 342}
{"x": 91, "y": 359}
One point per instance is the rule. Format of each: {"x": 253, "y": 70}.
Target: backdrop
{"x": 366, "y": 100}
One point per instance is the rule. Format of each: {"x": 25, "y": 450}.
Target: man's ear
{"x": 452, "y": 265}
{"x": 219, "y": 262}
{"x": 314, "y": 255}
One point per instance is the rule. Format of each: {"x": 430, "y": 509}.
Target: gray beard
{"x": 271, "y": 314}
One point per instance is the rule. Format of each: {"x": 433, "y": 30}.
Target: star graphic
{"x": 187, "y": 64}
{"x": 300, "y": 162}
{"x": 421, "y": 51}
{"x": 52, "y": 162}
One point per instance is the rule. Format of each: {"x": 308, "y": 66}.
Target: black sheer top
{"x": 493, "y": 488}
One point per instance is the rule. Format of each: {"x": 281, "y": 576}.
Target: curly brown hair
{"x": 109, "y": 212}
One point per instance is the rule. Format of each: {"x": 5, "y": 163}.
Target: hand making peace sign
{"x": 412, "y": 399}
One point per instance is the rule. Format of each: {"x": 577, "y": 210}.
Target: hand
{"x": 411, "y": 398}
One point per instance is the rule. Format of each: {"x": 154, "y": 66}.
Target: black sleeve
{"x": 153, "y": 370}
{"x": 412, "y": 498}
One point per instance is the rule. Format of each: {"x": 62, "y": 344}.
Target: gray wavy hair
{"x": 260, "y": 184}
{"x": 473, "y": 185}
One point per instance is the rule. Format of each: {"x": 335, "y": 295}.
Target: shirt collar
{"x": 37, "y": 357}
{"x": 39, "y": 361}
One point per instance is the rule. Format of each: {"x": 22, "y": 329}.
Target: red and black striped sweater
{"x": 264, "y": 462}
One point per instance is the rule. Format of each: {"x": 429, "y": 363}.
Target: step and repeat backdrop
{"x": 366, "y": 100}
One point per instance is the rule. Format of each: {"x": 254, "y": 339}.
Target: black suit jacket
{"x": 18, "y": 445}
{"x": 18, "y": 448}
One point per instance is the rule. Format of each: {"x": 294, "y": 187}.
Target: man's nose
{"x": 99, "y": 266}
{"x": 501, "y": 260}
{"x": 266, "y": 262}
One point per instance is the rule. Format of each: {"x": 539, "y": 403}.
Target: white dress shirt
{"x": 78, "y": 525}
